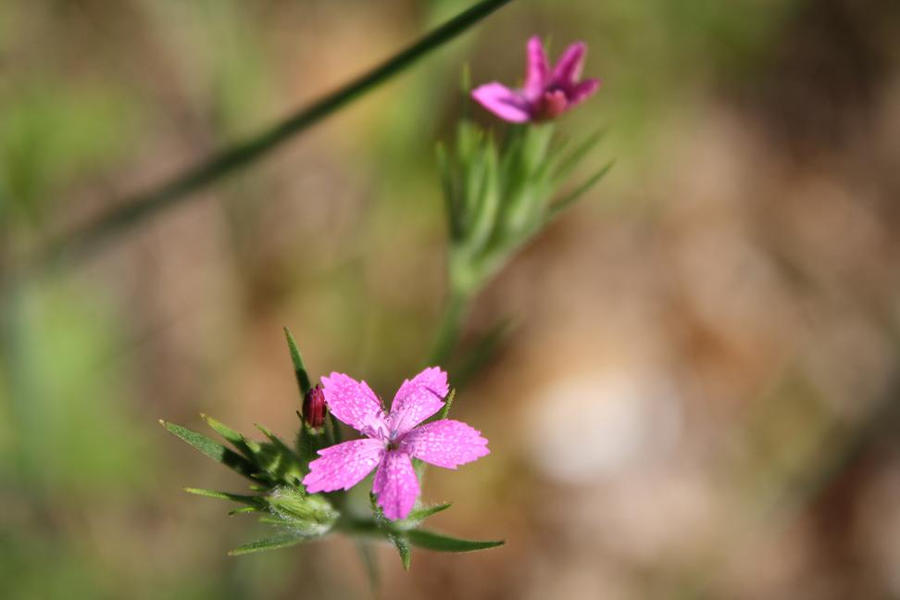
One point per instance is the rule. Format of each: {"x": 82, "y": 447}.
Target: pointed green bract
{"x": 299, "y": 368}
{"x": 442, "y": 543}
{"x": 402, "y": 546}
{"x": 271, "y": 543}
{"x": 499, "y": 198}
{"x": 565, "y": 165}
{"x": 252, "y": 501}
{"x": 247, "y": 447}
{"x": 576, "y": 194}
{"x": 213, "y": 450}
{"x": 241, "y": 510}
{"x": 448, "y": 404}
{"x": 418, "y": 515}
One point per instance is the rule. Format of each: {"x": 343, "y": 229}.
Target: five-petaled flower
{"x": 546, "y": 93}
{"x": 392, "y": 439}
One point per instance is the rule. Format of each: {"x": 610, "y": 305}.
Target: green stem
{"x": 130, "y": 211}
{"x": 450, "y": 328}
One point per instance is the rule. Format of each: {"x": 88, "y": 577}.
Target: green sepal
{"x": 430, "y": 540}
{"x": 213, "y": 450}
{"x": 271, "y": 543}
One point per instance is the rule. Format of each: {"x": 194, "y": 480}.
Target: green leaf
{"x": 395, "y": 537}
{"x": 418, "y": 515}
{"x": 243, "y": 509}
{"x": 402, "y": 546}
{"x": 567, "y": 165}
{"x": 252, "y": 501}
{"x": 248, "y": 447}
{"x": 299, "y": 368}
{"x": 271, "y": 543}
{"x": 427, "y": 511}
{"x": 442, "y": 543}
{"x": 212, "y": 449}
{"x": 575, "y": 195}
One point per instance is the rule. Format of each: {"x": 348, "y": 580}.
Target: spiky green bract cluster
{"x": 498, "y": 197}
{"x": 276, "y": 472}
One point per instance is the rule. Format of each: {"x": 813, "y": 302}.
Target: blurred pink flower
{"x": 546, "y": 94}
{"x": 392, "y": 440}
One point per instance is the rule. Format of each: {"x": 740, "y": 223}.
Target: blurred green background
{"x": 700, "y": 397}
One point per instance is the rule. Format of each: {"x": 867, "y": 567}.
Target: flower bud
{"x": 314, "y": 407}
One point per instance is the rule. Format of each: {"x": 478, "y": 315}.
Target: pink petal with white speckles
{"x": 445, "y": 443}
{"x": 354, "y": 403}
{"x": 417, "y": 399}
{"x": 343, "y": 465}
{"x": 395, "y": 485}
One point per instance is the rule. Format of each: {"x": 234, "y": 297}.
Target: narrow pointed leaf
{"x": 442, "y": 543}
{"x": 567, "y": 165}
{"x": 247, "y": 447}
{"x": 212, "y": 449}
{"x": 252, "y": 501}
{"x": 243, "y": 509}
{"x": 573, "y": 197}
{"x": 271, "y": 543}
{"x": 299, "y": 368}
{"x": 130, "y": 211}
{"x": 418, "y": 515}
{"x": 402, "y": 546}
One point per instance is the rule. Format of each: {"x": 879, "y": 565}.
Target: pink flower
{"x": 392, "y": 440}
{"x": 546, "y": 94}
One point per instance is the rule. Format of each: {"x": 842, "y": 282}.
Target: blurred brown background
{"x": 700, "y": 398}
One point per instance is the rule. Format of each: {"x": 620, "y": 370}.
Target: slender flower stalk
{"x": 128, "y": 212}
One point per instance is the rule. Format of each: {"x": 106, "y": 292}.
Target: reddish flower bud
{"x": 314, "y": 407}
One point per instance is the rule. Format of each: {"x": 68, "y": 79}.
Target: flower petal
{"x": 537, "y": 71}
{"x": 568, "y": 69}
{"x": 445, "y": 443}
{"x": 417, "y": 399}
{"x": 343, "y": 465}
{"x": 354, "y": 403}
{"x": 583, "y": 90}
{"x": 395, "y": 485}
{"x": 503, "y": 102}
